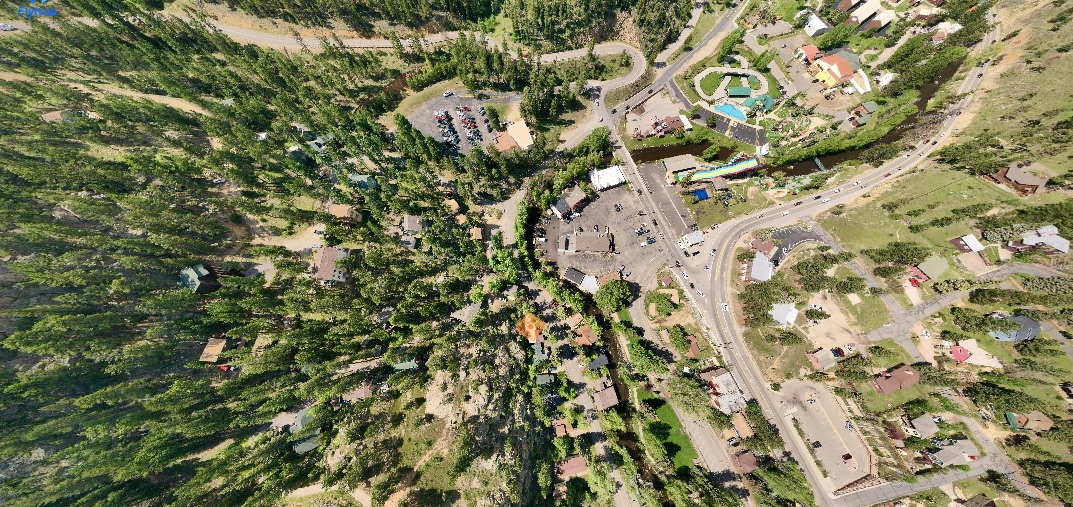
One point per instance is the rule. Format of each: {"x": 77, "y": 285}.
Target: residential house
{"x": 1028, "y": 329}
{"x": 960, "y": 452}
{"x": 943, "y": 30}
{"x": 604, "y": 395}
{"x": 865, "y": 11}
{"x": 561, "y": 427}
{"x": 847, "y": 5}
{"x": 540, "y": 352}
{"x": 361, "y": 392}
{"x": 822, "y": 359}
{"x": 925, "y": 425}
{"x": 866, "y": 108}
{"x": 585, "y": 336}
{"x": 808, "y": 54}
{"x": 412, "y": 224}
{"x": 531, "y": 327}
{"x": 969, "y": 352}
{"x": 880, "y": 21}
{"x": 325, "y": 265}
{"x": 902, "y": 377}
{"x": 407, "y": 365}
{"x": 604, "y": 179}
{"x": 1034, "y": 421}
{"x": 934, "y": 266}
{"x": 467, "y": 313}
{"x": 762, "y": 268}
{"x": 784, "y": 314}
{"x": 694, "y": 347}
{"x": 746, "y": 462}
{"x": 1024, "y": 179}
{"x": 363, "y": 181}
{"x": 213, "y": 349}
{"x": 1047, "y": 238}
{"x": 520, "y": 132}
{"x": 599, "y": 362}
{"x": 574, "y": 276}
{"x": 725, "y": 390}
{"x": 574, "y": 320}
{"x": 200, "y": 279}
{"x": 545, "y": 379}
{"x": 573, "y": 467}
{"x": 814, "y": 26}
{"x": 570, "y": 200}
{"x": 476, "y": 233}
{"x": 967, "y": 244}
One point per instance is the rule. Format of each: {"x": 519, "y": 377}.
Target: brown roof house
{"x": 768, "y": 248}
{"x": 344, "y": 212}
{"x": 530, "y": 327}
{"x": 585, "y": 336}
{"x": 1021, "y": 178}
{"x": 1034, "y": 421}
{"x": 571, "y": 468}
{"x": 746, "y": 462}
{"x": 562, "y": 427}
{"x": 325, "y": 267}
{"x": 213, "y": 349}
{"x": 896, "y": 379}
{"x": 604, "y": 395}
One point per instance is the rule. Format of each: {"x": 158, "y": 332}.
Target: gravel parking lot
{"x": 823, "y": 421}
{"x": 425, "y": 120}
{"x": 600, "y": 215}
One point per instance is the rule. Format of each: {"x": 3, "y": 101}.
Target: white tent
{"x": 607, "y": 178}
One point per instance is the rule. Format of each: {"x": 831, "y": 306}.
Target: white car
{"x": 4, "y": 27}
{"x": 448, "y": 93}
{"x": 597, "y": 101}
{"x": 784, "y": 213}
{"x": 826, "y": 200}
{"x": 837, "y": 190}
{"x": 699, "y": 293}
{"x": 601, "y": 119}
{"x": 218, "y": 180}
{"x": 726, "y": 307}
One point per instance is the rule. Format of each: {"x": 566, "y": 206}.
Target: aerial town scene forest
{"x": 604, "y": 253}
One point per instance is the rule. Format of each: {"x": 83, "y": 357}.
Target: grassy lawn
{"x": 878, "y": 402}
{"x": 618, "y": 95}
{"x": 898, "y": 355}
{"x": 936, "y": 191}
{"x": 703, "y": 26}
{"x": 337, "y": 498}
{"x": 624, "y": 316}
{"x": 711, "y": 82}
{"x": 710, "y": 212}
{"x": 870, "y": 314}
{"x": 788, "y": 8}
{"x": 991, "y": 253}
{"x": 678, "y": 442}
{"x": 784, "y": 361}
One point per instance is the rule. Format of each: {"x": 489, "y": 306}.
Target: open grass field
{"x": 895, "y": 355}
{"x": 1034, "y": 62}
{"x": 928, "y": 193}
{"x": 879, "y": 402}
{"x": 704, "y": 25}
{"x": 679, "y": 448}
{"x": 711, "y": 82}
{"x": 870, "y": 314}
{"x": 783, "y": 361}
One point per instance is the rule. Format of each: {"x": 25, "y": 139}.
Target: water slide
{"x": 710, "y": 171}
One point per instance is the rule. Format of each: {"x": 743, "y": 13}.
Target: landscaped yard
{"x": 679, "y": 448}
{"x": 879, "y": 402}
{"x": 711, "y": 82}
{"x": 870, "y": 314}
{"x": 710, "y": 212}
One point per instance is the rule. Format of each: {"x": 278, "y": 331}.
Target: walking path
{"x": 720, "y": 92}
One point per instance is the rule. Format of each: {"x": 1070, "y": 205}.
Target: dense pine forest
{"x": 107, "y": 197}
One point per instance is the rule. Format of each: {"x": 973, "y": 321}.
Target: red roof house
{"x": 960, "y": 354}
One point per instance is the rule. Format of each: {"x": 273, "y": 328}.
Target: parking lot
{"x": 600, "y": 215}
{"x": 790, "y": 238}
{"x": 668, "y": 200}
{"x": 824, "y": 423}
{"x": 463, "y": 121}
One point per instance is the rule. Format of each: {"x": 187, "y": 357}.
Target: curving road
{"x": 733, "y": 71}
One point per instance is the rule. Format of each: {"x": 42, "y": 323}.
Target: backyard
{"x": 677, "y": 443}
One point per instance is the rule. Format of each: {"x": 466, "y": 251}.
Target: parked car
{"x": 4, "y": 27}
{"x": 448, "y": 93}
{"x": 798, "y": 203}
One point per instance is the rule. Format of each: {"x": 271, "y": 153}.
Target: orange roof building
{"x": 530, "y": 327}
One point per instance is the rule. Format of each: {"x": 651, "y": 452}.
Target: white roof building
{"x": 816, "y": 26}
{"x": 1048, "y": 236}
{"x": 763, "y": 269}
{"x": 865, "y": 11}
{"x": 607, "y": 178}
{"x": 973, "y": 243}
{"x": 693, "y": 238}
{"x": 590, "y": 284}
{"x": 784, "y": 314}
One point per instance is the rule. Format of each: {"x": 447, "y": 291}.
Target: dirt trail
{"x": 177, "y": 103}
{"x": 408, "y": 482}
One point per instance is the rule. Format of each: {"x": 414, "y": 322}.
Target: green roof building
{"x": 765, "y": 101}
{"x": 199, "y": 279}
{"x": 739, "y": 91}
